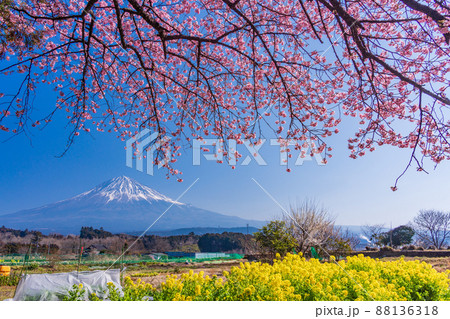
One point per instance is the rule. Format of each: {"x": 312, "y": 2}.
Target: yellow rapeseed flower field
{"x": 296, "y": 278}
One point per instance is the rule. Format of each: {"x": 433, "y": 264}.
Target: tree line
{"x": 308, "y": 228}
{"x": 20, "y": 242}
{"x": 429, "y": 229}
{"x": 305, "y": 226}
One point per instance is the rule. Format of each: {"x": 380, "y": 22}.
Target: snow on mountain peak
{"x": 125, "y": 189}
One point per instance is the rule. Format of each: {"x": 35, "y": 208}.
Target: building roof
{"x": 97, "y": 247}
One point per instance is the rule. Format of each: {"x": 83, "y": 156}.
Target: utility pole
{"x": 390, "y": 235}
{"x": 80, "y": 251}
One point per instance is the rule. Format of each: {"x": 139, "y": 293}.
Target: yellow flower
{"x": 295, "y": 278}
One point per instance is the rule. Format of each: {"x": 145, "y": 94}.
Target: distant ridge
{"x": 201, "y": 231}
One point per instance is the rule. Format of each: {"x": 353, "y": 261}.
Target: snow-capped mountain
{"x": 123, "y": 189}
{"x": 119, "y": 205}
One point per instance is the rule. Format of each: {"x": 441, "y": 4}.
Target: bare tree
{"x": 310, "y": 225}
{"x": 373, "y": 233}
{"x": 432, "y": 227}
{"x": 349, "y": 238}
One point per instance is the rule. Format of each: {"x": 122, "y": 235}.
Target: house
{"x": 95, "y": 249}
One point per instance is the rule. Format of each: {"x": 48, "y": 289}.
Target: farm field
{"x": 153, "y": 273}
{"x": 212, "y": 272}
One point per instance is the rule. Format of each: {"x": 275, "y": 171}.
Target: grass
{"x": 146, "y": 274}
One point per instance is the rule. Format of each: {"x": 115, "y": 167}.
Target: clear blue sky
{"x": 355, "y": 191}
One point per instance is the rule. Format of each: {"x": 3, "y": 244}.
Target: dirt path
{"x": 7, "y": 292}
{"x": 156, "y": 277}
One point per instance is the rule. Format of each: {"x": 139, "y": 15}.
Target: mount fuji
{"x": 120, "y": 205}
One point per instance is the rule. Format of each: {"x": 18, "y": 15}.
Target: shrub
{"x": 11, "y": 280}
{"x": 32, "y": 266}
{"x": 77, "y": 293}
{"x": 275, "y": 238}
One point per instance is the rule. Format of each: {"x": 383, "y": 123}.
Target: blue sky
{"x": 355, "y": 191}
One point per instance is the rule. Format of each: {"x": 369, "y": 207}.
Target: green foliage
{"x": 113, "y": 292}
{"x": 11, "y": 280}
{"x": 190, "y": 248}
{"x": 32, "y": 266}
{"x": 20, "y": 233}
{"x": 276, "y": 238}
{"x": 337, "y": 245}
{"x": 170, "y": 243}
{"x": 401, "y": 235}
{"x": 12, "y": 248}
{"x": 132, "y": 291}
{"x": 94, "y": 297}
{"x": 77, "y": 293}
{"x": 91, "y": 233}
{"x": 223, "y": 242}
{"x": 146, "y": 274}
